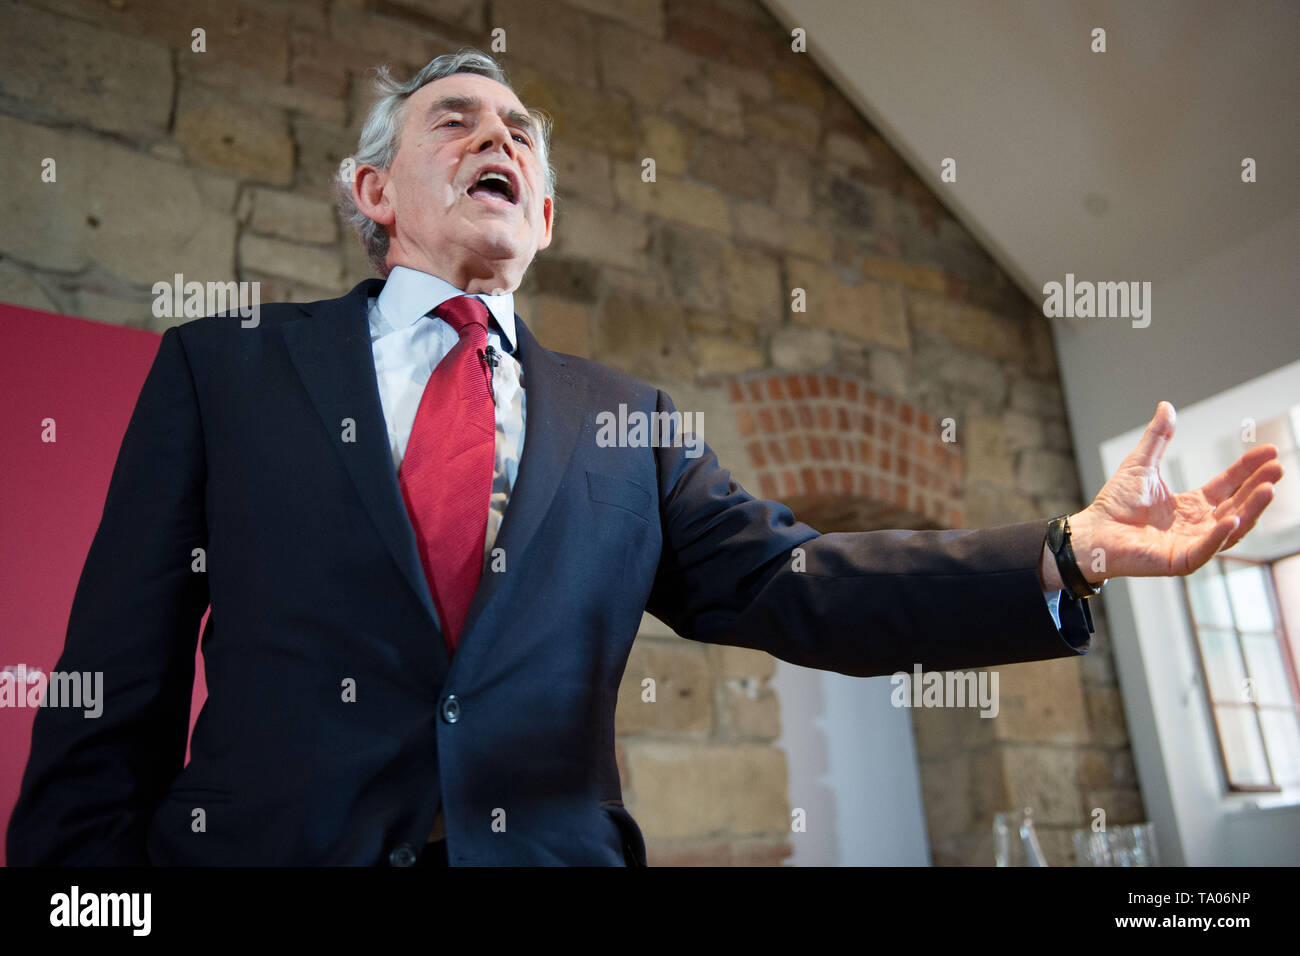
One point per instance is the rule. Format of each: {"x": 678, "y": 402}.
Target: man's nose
{"x": 495, "y": 133}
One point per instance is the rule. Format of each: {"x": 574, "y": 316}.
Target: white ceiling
{"x": 1123, "y": 165}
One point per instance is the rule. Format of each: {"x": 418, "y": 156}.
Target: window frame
{"x": 1280, "y": 635}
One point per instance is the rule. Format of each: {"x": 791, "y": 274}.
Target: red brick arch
{"x": 814, "y": 436}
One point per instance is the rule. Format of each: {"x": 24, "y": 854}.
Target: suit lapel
{"x": 330, "y": 348}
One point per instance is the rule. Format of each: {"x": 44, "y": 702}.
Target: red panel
{"x": 86, "y": 376}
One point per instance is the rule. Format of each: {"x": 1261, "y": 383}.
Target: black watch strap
{"x": 1058, "y": 542}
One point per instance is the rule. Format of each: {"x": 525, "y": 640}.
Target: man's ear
{"x": 368, "y": 194}
{"x": 548, "y": 214}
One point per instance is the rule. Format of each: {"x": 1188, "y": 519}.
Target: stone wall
{"x": 217, "y": 165}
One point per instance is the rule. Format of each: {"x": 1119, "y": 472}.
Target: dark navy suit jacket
{"x": 237, "y": 446}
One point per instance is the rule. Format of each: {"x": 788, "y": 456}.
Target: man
{"x": 390, "y": 664}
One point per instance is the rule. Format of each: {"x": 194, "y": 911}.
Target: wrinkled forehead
{"x": 466, "y": 92}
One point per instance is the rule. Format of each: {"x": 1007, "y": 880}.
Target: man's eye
{"x": 523, "y": 139}
{"x": 449, "y": 122}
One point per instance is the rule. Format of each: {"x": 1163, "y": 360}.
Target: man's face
{"x": 443, "y": 216}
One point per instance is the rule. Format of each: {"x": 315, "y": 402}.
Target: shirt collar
{"x": 409, "y": 295}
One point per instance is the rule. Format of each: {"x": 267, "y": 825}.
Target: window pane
{"x": 1250, "y": 602}
{"x": 1243, "y": 746}
{"x": 1267, "y": 669}
{"x": 1286, "y": 574}
{"x": 1282, "y": 735}
{"x": 1284, "y": 511}
{"x": 1209, "y": 597}
{"x": 1225, "y": 670}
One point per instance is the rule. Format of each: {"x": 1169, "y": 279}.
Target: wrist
{"x": 1065, "y": 562}
{"x": 1083, "y": 538}
{"x": 1048, "y": 576}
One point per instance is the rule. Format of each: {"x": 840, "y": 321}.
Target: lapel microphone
{"x": 490, "y": 362}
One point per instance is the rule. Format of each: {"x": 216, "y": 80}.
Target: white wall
{"x": 1220, "y": 322}
{"x": 1227, "y": 320}
{"x": 853, "y": 769}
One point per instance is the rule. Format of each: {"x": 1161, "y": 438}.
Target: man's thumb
{"x": 1158, "y": 434}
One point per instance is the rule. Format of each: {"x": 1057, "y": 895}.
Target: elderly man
{"x": 425, "y": 571}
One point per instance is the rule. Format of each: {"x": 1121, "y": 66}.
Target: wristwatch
{"x": 1058, "y": 542}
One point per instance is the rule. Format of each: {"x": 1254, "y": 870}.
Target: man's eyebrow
{"x": 461, "y": 103}
{"x": 522, "y": 120}
{"x": 457, "y": 103}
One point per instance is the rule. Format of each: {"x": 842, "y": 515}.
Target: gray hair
{"x": 382, "y": 130}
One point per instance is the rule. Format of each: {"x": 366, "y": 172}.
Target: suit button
{"x": 403, "y": 855}
{"x": 451, "y": 709}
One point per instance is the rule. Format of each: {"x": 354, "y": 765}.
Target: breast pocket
{"x": 621, "y": 493}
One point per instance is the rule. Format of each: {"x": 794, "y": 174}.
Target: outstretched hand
{"x": 1145, "y": 530}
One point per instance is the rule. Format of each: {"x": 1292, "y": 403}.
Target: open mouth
{"x": 494, "y": 185}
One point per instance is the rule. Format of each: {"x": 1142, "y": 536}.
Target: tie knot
{"x": 462, "y": 312}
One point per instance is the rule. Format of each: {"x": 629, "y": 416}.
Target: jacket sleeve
{"x": 92, "y": 783}
{"x": 742, "y": 571}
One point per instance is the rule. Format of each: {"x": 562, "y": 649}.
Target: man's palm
{"x": 1146, "y": 530}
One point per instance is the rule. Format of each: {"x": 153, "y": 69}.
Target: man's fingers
{"x": 1210, "y": 545}
{"x": 1249, "y": 512}
{"x": 1266, "y": 474}
{"x": 1226, "y": 485}
{"x": 1155, "y": 439}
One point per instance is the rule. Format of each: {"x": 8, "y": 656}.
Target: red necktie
{"x": 446, "y": 475}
